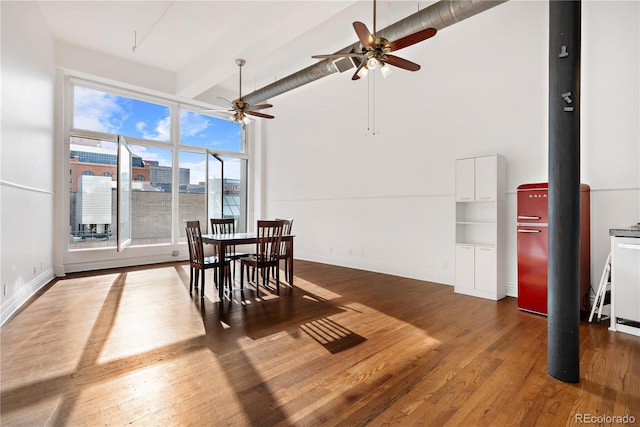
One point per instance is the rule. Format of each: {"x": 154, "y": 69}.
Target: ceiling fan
{"x": 241, "y": 109}
{"x": 375, "y": 50}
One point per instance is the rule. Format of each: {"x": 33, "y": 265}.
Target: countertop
{"x": 631, "y": 231}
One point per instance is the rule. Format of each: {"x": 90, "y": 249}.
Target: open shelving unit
{"x": 480, "y": 206}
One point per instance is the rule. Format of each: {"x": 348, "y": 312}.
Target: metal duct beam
{"x": 438, "y": 15}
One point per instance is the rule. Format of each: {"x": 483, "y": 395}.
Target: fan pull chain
{"x": 368, "y": 107}
{"x": 371, "y": 105}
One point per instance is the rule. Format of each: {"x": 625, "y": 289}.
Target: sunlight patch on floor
{"x": 313, "y": 289}
{"x": 345, "y": 335}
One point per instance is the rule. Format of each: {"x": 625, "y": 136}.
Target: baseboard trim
{"x": 125, "y": 262}
{"x": 394, "y": 270}
{"x": 11, "y": 305}
{"x": 511, "y": 290}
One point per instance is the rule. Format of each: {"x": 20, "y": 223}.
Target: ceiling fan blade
{"x": 338, "y": 55}
{"x": 255, "y": 113}
{"x": 412, "y": 39}
{"x": 226, "y": 101}
{"x": 257, "y": 107}
{"x": 356, "y": 76}
{"x": 364, "y": 35}
{"x": 401, "y": 63}
{"x": 215, "y": 110}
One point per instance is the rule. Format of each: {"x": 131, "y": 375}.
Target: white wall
{"x": 26, "y": 174}
{"x": 482, "y": 89}
{"x": 610, "y": 120}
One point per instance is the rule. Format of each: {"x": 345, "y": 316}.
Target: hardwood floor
{"x": 345, "y": 347}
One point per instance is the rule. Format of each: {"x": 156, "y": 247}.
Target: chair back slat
{"x": 269, "y": 238}
{"x": 194, "y": 239}
{"x": 286, "y": 230}
{"x": 223, "y": 225}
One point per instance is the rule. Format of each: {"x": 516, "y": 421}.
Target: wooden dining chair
{"x": 285, "y": 246}
{"x": 227, "y": 226}
{"x": 198, "y": 262}
{"x": 268, "y": 240}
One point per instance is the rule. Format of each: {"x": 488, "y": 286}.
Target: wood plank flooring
{"x": 344, "y": 348}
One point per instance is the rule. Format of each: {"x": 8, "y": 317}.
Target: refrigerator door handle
{"x": 528, "y": 231}
{"x": 528, "y": 217}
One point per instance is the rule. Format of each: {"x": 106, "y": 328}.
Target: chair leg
{"x": 241, "y": 277}
{"x": 257, "y": 281}
{"x": 229, "y": 277}
{"x": 278, "y": 280}
{"x": 190, "y": 280}
{"x": 202, "y": 285}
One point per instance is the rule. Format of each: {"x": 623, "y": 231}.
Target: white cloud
{"x": 197, "y": 171}
{"x": 192, "y": 124}
{"x": 163, "y": 129}
{"x": 97, "y": 111}
{"x": 161, "y": 132}
{"x": 163, "y": 157}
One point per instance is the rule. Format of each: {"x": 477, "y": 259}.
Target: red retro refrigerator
{"x": 532, "y": 236}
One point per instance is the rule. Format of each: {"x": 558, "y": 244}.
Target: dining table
{"x": 222, "y": 241}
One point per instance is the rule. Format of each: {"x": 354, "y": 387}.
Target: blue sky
{"x": 104, "y": 112}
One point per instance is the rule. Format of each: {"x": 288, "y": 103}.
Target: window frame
{"x": 87, "y": 258}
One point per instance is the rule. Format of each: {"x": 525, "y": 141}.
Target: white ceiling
{"x": 200, "y": 40}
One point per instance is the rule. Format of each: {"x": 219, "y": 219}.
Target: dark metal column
{"x": 563, "y": 334}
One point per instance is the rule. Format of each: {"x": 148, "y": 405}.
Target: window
{"x": 162, "y": 198}
{"x": 124, "y": 194}
{"x": 225, "y": 165}
{"x": 192, "y": 196}
{"x": 99, "y": 111}
{"x": 92, "y": 199}
{"x": 212, "y": 133}
{"x": 152, "y": 195}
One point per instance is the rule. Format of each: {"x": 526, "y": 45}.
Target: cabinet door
{"x": 464, "y": 268}
{"x": 486, "y": 279}
{"x": 486, "y": 175}
{"x": 626, "y": 277}
{"x": 465, "y": 180}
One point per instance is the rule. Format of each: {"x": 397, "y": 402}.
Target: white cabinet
{"x": 625, "y": 284}
{"x": 485, "y": 271}
{"x": 476, "y": 272}
{"x": 487, "y": 178}
{"x": 477, "y": 179}
{"x": 480, "y": 211}
{"x": 465, "y": 268}
{"x": 465, "y": 180}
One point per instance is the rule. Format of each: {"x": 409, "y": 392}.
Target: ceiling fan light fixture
{"x": 240, "y": 119}
{"x": 362, "y": 73}
{"x": 372, "y": 63}
{"x": 385, "y": 70}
